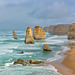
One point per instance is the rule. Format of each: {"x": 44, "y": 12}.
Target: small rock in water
{"x": 46, "y": 47}
{"x": 21, "y": 52}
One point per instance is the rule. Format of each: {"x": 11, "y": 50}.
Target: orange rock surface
{"x": 14, "y": 35}
{"x": 29, "y": 37}
{"x": 71, "y": 32}
{"x": 39, "y": 33}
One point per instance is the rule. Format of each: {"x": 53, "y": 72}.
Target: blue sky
{"x": 18, "y": 14}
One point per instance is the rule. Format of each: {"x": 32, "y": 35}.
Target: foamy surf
{"x": 10, "y": 49}
{"x": 57, "y": 55}
{"x": 8, "y": 64}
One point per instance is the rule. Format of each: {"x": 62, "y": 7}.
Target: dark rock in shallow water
{"x": 15, "y": 63}
{"x": 46, "y": 47}
{"x": 21, "y": 52}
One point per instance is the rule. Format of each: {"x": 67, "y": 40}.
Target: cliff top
{"x": 37, "y": 27}
{"x": 28, "y": 27}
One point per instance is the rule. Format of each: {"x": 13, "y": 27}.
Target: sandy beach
{"x": 69, "y": 61}
{"x": 66, "y": 65}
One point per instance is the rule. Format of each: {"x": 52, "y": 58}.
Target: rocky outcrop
{"x": 58, "y": 29}
{"x": 25, "y": 63}
{"x": 20, "y": 61}
{"x": 39, "y": 33}
{"x": 35, "y": 62}
{"x": 29, "y": 37}
{"x": 71, "y": 32}
{"x": 14, "y": 35}
{"x": 46, "y": 47}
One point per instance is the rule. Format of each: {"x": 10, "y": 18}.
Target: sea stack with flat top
{"x": 14, "y": 34}
{"x": 29, "y": 37}
{"x": 71, "y": 32}
{"x": 39, "y": 33}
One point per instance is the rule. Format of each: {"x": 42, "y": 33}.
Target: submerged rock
{"x": 71, "y": 32}
{"x": 29, "y": 37}
{"x": 46, "y": 47}
{"x": 14, "y": 35}
{"x": 39, "y": 33}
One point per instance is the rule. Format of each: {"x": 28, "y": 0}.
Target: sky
{"x": 19, "y": 14}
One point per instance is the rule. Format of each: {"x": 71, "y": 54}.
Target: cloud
{"x": 12, "y": 2}
{"x": 23, "y": 13}
{"x": 50, "y": 9}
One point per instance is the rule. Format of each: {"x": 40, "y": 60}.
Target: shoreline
{"x": 69, "y": 61}
{"x": 59, "y": 65}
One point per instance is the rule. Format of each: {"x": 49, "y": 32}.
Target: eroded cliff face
{"x": 71, "y": 32}
{"x": 58, "y": 29}
{"x": 14, "y": 35}
{"x": 29, "y": 37}
{"x": 39, "y": 33}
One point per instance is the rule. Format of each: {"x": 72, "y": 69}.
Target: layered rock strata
{"x": 71, "y": 32}
{"x": 58, "y": 29}
{"x": 39, "y": 33}
{"x": 29, "y": 37}
{"x": 14, "y": 35}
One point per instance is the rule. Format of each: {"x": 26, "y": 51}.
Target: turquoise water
{"x": 10, "y": 48}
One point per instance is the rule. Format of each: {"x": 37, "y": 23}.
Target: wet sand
{"x": 65, "y": 65}
{"x": 69, "y": 61}
{"x": 60, "y": 67}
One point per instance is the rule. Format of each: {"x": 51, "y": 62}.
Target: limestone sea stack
{"x": 29, "y": 37}
{"x": 14, "y": 35}
{"x": 39, "y": 33}
{"x": 71, "y": 32}
{"x": 46, "y": 47}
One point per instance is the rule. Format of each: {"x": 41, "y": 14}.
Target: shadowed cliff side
{"x": 29, "y": 37}
{"x": 39, "y": 33}
{"x": 14, "y": 35}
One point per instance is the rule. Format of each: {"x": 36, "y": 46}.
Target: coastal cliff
{"x": 29, "y": 37}
{"x": 39, "y": 33}
{"x": 71, "y": 32}
{"x": 57, "y": 29}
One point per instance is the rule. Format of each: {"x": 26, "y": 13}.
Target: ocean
{"x": 10, "y": 49}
